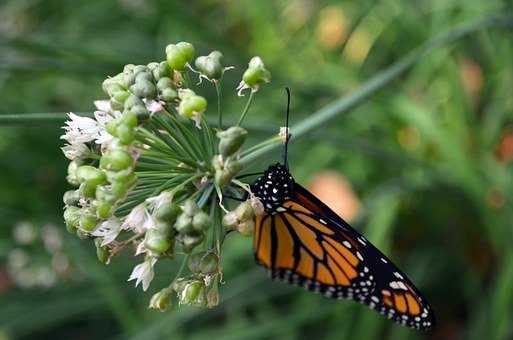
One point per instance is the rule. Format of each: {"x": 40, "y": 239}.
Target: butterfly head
{"x": 273, "y": 187}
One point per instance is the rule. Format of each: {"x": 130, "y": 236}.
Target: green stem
{"x": 36, "y": 119}
{"x": 219, "y": 114}
{"x": 380, "y": 81}
{"x": 246, "y": 108}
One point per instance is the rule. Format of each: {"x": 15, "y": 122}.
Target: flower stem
{"x": 219, "y": 114}
{"x": 246, "y": 108}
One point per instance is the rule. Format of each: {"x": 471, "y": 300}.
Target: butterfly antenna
{"x": 287, "y": 137}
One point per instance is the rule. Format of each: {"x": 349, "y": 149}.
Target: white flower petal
{"x": 108, "y": 230}
{"x": 74, "y": 151}
{"x": 154, "y": 106}
{"x": 143, "y": 273}
{"x": 136, "y": 219}
{"x": 103, "y": 105}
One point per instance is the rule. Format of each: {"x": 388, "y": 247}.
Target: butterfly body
{"x": 302, "y": 241}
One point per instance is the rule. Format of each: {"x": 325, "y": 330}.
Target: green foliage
{"x": 429, "y": 155}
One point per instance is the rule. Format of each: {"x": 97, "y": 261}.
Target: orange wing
{"x": 307, "y": 244}
{"x": 306, "y": 251}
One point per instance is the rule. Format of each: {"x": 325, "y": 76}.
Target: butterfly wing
{"x": 305, "y": 243}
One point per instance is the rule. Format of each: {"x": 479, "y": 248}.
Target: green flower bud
{"x": 72, "y": 218}
{"x": 116, "y": 105}
{"x": 119, "y": 189}
{"x": 222, "y": 178}
{"x": 87, "y": 190}
{"x": 112, "y": 127}
{"x": 111, "y": 85}
{"x": 93, "y": 176}
{"x": 256, "y": 74}
{"x": 169, "y": 94}
{"x": 126, "y": 176}
{"x": 192, "y": 105}
{"x": 233, "y": 166}
{"x": 102, "y": 253}
{"x": 132, "y": 101}
{"x": 129, "y": 118}
{"x": 144, "y": 89}
{"x": 231, "y": 140}
{"x": 246, "y": 227}
{"x": 176, "y": 60}
{"x": 191, "y": 292}
{"x": 161, "y": 300}
{"x": 183, "y": 224}
{"x": 189, "y": 241}
{"x": 179, "y": 55}
{"x": 224, "y": 172}
{"x": 200, "y": 221}
{"x": 88, "y": 221}
{"x": 128, "y": 79}
{"x": 167, "y": 213}
{"x": 210, "y": 65}
{"x": 71, "y": 197}
{"x": 72, "y": 173}
{"x": 121, "y": 96}
{"x": 156, "y": 242}
{"x": 103, "y": 209}
{"x": 187, "y": 49}
{"x": 164, "y": 83}
{"x": 116, "y": 160}
{"x": 146, "y": 76}
{"x": 140, "y": 68}
{"x": 141, "y": 112}
{"x": 162, "y": 70}
{"x": 209, "y": 263}
{"x": 103, "y": 193}
{"x": 125, "y": 134}
{"x": 128, "y": 68}
{"x": 151, "y": 66}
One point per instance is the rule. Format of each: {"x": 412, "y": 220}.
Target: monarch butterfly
{"x": 302, "y": 241}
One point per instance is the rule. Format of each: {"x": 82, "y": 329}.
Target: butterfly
{"x": 302, "y": 241}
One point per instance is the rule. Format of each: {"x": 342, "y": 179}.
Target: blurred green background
{"x": 428, "y": 160}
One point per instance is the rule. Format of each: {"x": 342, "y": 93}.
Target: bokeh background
{"x": 423, "y": 167}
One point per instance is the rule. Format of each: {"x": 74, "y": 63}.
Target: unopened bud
{"x": 210, "y": 66}
{"x": 156, "y": 242}
{"x": 72, "y": 218}
{"x": 91, "y": 175}
{"x": 161, "y": 301}
{"x": 71, "y": 197}
{"x": 231, "y": 140}
{"x": 102, "y": 253}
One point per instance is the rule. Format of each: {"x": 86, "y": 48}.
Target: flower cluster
{"x": 150, "y": 174}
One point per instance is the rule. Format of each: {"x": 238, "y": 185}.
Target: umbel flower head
{"x": 149, "y": 174}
